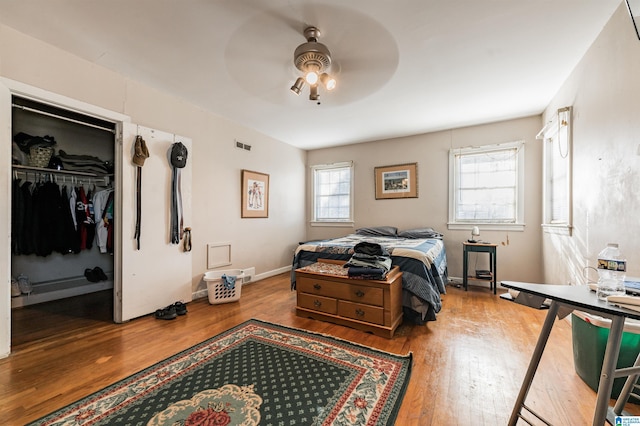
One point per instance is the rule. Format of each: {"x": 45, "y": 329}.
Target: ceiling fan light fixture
{"x": 313, "y": 93}
{"x": 313, "y": 59}
{"x": 327, "y": 81}
{"x": 297, "y": 86}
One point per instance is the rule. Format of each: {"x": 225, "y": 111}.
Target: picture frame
{"x": 397, "y": 181}
{"x": 255, "y": 194}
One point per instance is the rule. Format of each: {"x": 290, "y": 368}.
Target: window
{"x": 332, "y": 186}
{"x": 556, "y": 137}
{"x": 486, "y": 186}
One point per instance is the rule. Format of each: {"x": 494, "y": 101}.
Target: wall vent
{"x": 241, "y": 145}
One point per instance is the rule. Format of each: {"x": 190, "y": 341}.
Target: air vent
{"x": 241, "y": 145}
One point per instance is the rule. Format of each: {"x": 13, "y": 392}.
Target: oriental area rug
{"x": 256, "y": 373}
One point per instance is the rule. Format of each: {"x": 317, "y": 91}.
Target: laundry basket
{"x": 219, "y": 289}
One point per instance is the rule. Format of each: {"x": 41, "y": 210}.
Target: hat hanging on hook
{"x": 140, "y": 151}
{"x": 178, "y": 155}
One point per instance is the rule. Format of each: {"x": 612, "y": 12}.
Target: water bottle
{"x": 612, "y": 267}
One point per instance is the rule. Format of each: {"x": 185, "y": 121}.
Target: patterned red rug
{"x": 255, "y": 373}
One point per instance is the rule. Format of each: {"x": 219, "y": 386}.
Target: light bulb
{"x": 331, "y": 84}
{"x": 311, "y": 77}
{"x": 328, "y": 81}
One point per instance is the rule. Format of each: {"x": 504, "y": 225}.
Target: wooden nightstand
{"x": 325, "y": 292}
{"x": 479, "y": 248}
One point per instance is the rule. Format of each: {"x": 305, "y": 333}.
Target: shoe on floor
{"x": 24, "y": 284}
{"x": 181, "y": 308}
{"x": 167, "y": 313}
{"x": 90, "y": 274}
{"x": 15, "y": 288}
{"x": 99, "y": 273}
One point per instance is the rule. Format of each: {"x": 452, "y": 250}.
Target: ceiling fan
{"x": 313, "y": 59}
{"x": 353, "y": 49}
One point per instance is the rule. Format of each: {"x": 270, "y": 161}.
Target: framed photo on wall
{"x": 398, "y": 181}
{"x": 255, "y": 194}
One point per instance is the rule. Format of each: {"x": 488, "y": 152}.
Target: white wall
{"x": 604, "y": 90}
{"x": 519, "y": 260}
{"x": 266, "y": 244}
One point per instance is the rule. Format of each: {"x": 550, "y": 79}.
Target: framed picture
{"x": 255, "y": 194}
{"x": 399, "y": 181}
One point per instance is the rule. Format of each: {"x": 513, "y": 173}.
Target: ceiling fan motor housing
{"x": 312, "y": 55}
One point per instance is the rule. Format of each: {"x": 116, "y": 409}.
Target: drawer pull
{"x": 360, "y": 313}
{"x": 317, "y": 286}
{"x": 317, "y": 303}
{"x": 359, "y": 293}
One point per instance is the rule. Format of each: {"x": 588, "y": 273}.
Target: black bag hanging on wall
{"x": 178, "y": 160}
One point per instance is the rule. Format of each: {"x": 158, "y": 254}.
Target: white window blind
{"x": 333, "y": 192}
{"x": 487, "y": 184}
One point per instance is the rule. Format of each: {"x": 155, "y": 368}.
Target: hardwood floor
{"x": 468, "y": 365}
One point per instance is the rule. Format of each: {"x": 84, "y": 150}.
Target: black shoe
{"x": 167, "y": 313}
{"x": 91, "y": 275}
{"x": 181, "y": 308}
{"x": 99, "y": 273}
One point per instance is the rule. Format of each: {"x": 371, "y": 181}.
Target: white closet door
{"x": 159, "y": 273}
{"x": 5, "y": 221}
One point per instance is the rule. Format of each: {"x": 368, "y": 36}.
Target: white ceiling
{"x": 403, "y": 67}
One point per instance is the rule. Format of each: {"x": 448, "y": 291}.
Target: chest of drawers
{"x": 326, "y": 293}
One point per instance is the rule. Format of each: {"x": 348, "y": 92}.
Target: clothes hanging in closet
{"x": 103, "y": 209}
{"x": 51, "y": 218}
{"x": 85, "y": 222}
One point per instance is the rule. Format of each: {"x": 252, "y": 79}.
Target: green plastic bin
{"x": 590, "y": 334}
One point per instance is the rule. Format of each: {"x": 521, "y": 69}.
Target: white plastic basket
{"x": 218, "y": 291}
{"x": 630, "y": 325}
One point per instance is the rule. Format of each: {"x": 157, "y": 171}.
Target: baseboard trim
{"x": 271, "y": 273}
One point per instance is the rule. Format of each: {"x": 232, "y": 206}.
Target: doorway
{"x": 63, "y": 186}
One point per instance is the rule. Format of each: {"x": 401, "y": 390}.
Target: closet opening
{"x": 62, "y": 214}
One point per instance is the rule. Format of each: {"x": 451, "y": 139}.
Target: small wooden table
{"x": 468, "y": 247}
{"x": 325, "y": 292}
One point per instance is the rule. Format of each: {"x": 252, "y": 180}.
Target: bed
{"x": 419, "y": 253}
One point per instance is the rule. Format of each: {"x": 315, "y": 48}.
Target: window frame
{"x": 519, "y": 223}
{"x": 558, "y": 132}
{"x": 315, "y": 221}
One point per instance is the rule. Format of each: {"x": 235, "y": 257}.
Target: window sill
{"x": 516, "y": 227}
{"x": 557, "y": 229}
{"x": 346, "y": 224}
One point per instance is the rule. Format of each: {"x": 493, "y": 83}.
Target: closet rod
{"x": 81, "y": 176}
{"x": 25, "y": 108}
